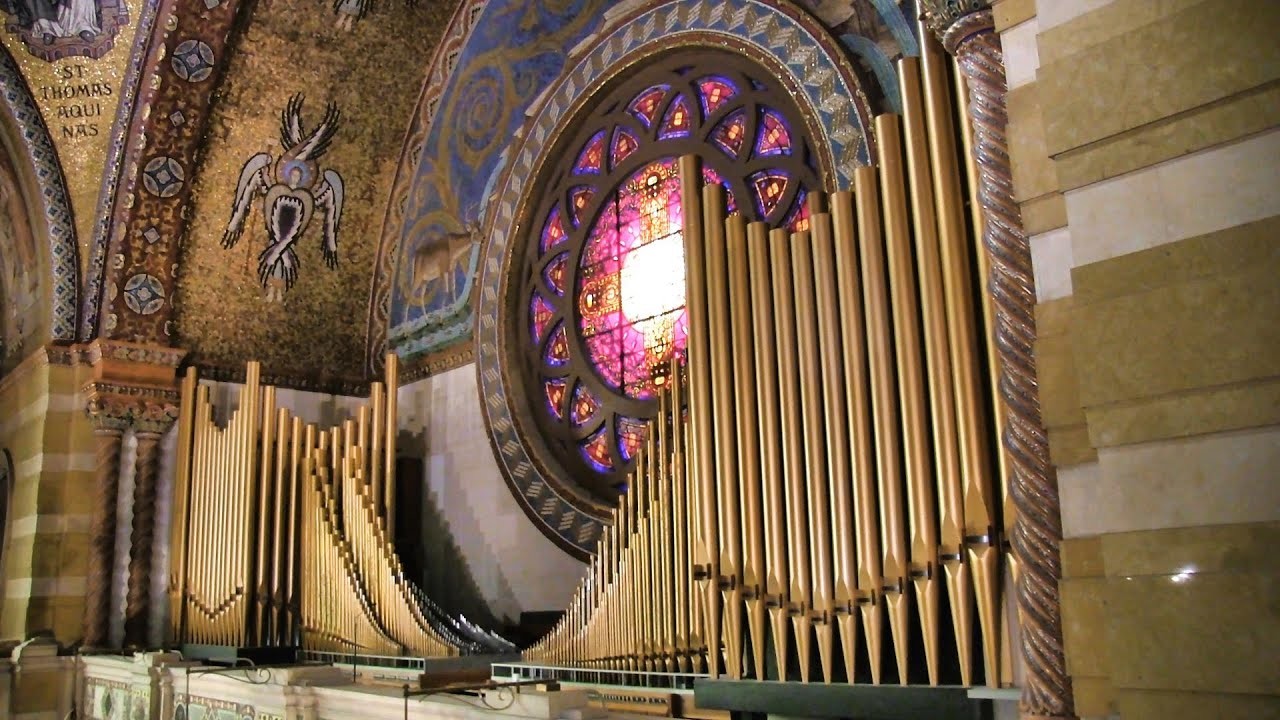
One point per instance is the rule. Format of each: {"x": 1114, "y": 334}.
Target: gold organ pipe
{"x": 262, "y": 594}
{"x": 663, "y": 486}
{"x": 818, "y": 593}
{"x": 884, "y": 408}
{"x": 772, "y": 533}
{"x": 799, "y": 586}
{"x": 393, "y": 388}
{"x": 680, "y": 535}
{"x": 377, "y": 439}
{"x": 857, "y": 400}
{"x": 911, "y": 394}
{"x": 700, "y": 410}
{"x": 278, "y": 520}
{"x": 983, "y": 265}
{"x": 834, "y": 348}
{"x": 973, "y": 426}
{"x": 986, "y": 559}
{"x": 744, "y": 376}
{"x": 945, "y": 536}
{"x": 302, "y": 447}
{"x": 726, "y": 480}
{"x": 180, "y": 524}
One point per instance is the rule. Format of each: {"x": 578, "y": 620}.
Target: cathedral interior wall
{"x": 1145, "y": 162}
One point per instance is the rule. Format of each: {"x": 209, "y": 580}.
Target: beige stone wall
{"x": 1145, "y": 140}
{"x": 514, "y": 566}
{"x": 44, "y": 427}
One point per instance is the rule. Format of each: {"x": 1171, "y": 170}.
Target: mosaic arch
{"x": 33, "y": 148}
{"x": 795, "y": 51}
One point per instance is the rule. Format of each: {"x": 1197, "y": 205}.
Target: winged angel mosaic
{"x": 293, "y": 188}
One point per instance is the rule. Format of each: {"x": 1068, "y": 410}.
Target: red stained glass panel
{"x": 677, "y": 121}
{"x": 579, "y": 199}
{"x": 645, "y": 105}
{"x": 552, "y": 231}
{"x": 556, "y": 273}
{"x": 715, "y": 91}
{"x": 773, "y": 137}
{"x": 631, "y": 435}
{"x": 591, "y": 159}
{"x": 768, "y": 186}
{"x": 624, "y": 143}
{"x": 584, "y": 406}
{"x": 554, "y": 389}
{"x": 729, "y": 135}
{"x": 557, "y": 352}
{"x": 540, "y": 314}
{"x": 596, "y": 451}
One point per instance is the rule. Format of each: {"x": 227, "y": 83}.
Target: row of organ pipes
{"x": 283, "y": 533}
{"x": 822, "y": 479}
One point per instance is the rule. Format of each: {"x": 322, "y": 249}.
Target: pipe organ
{"x": 818, "y": 497}
{"x": 283, "y": 533}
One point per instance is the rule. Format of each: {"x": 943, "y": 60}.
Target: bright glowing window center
{"x": 631, "y": 292}
{"x": 653, "y": 289}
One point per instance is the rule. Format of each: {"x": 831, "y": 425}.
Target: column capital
{"x": 132, "y": 385}
{"x": 955, "y": 21}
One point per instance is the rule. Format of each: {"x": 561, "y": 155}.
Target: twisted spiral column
{"x": 102, "y": 536}
{"x": 1037, "y": 530}
{"x": 138, "y": 598}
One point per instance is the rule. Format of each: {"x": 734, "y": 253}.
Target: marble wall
{"x": 1146, "y": 152}
{"x": 514, "y": 566}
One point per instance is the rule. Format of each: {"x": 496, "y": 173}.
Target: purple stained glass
{"x": 715, "y": 91}
{"x": 556, "y": 273}
{"x": 554, "y": 389}
{"x": 630, "y": 298}
{"x": 798, "y": 219}
{"x": 711, "y": 177}
{"x": 769, "y": 187}
{"x": 595, "y": 450}
{"x": 584, "y": 406}
{"x": 773, "y": 137}
{"x": 631, "y": 435}
{"x": 557, "y": 352}
{"x": 677, "y": 121}
{"x": 645, "y": 106}
{"x": 624, "y": 143}
{"x": 591, "y": 159}
{"x": 540, "y": 314}
{"x": 553, "y": 231}
{"x": 579, "y": 199}
{"x": 729, "y": 135}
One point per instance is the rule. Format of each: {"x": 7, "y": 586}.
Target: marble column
{"x": 102, "y": 532}
{"x": 138, "y": 596}
{"x": 967, "y": 31}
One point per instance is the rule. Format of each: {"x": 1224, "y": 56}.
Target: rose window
{"x": 604, "y": 283}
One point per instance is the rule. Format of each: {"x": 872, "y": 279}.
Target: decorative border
{"x": 442, "y": 66}
{"x": 162, "y": 140}
{"x": 828, "y": 93}
{"x": 114, "y": 166}
{"x": 64, "y": 256}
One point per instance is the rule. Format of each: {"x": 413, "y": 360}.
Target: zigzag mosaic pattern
{"x": 63, "y": 254}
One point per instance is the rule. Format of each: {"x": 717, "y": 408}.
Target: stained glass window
{"x": 605, "y": 281}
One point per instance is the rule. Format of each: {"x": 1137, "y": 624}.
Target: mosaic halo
{"x": 824, "y": 88}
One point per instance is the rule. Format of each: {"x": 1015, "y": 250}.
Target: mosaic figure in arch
{"x": 56, "y": 29}
{"x": 293, "y": 188}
